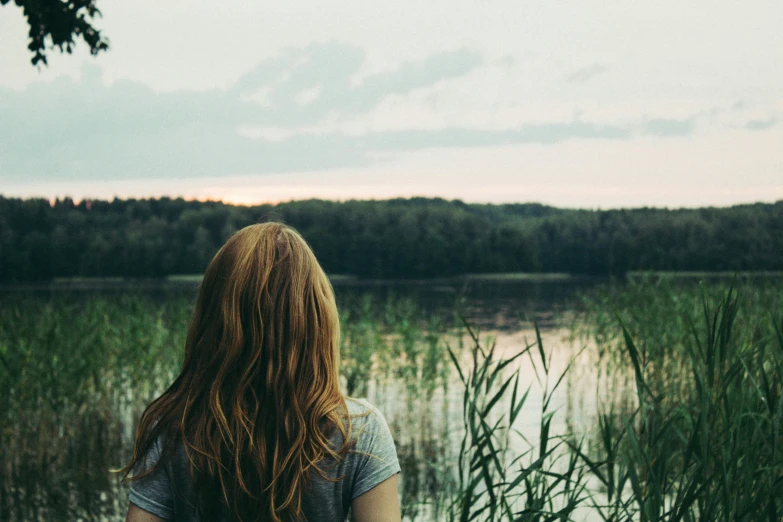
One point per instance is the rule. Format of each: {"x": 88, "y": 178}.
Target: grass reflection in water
{"x": 673, "y": 410}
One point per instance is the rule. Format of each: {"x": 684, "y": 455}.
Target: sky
{"x": 573, "y": 103}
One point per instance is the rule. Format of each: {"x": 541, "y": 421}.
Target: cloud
{"x": 668, "y": 127}
{"x": 587, "y": 73}
{"x": 758, "y": 125}
{"x": 87, "y": 130}
{"x": 330, "y": 70}
{"x": 541, "y": 133}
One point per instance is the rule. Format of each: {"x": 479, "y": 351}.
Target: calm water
{"x": 428, "y": 429}
{"x": 428, "y": 426}
{"x": 428, "y": 432}
{"x": 490, "y": 302}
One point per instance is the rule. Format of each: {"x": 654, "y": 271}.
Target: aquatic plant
{"x": 701, "y": 438}
{"x": 687, "y": 425}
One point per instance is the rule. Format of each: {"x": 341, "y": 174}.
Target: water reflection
{"x": 56, "y": 466}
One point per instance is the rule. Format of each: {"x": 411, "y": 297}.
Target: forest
{"x": 397, "y": 238}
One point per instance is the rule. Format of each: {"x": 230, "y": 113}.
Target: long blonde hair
{"x": 258, "y": 398}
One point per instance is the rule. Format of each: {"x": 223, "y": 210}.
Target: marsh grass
{"x": 687, "y": 424}
{"x": 697, "y": 433}
{"x": 395, "y": 353}
{"x": 540, "y": 482}
{"x": 76, "y": 370}
{"x": 393, "y": 340}
{"x": 72, "y": 374}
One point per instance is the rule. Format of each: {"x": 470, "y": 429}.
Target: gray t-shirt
{"x": 370, "y": 462}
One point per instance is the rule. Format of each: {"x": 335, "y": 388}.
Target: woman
{"x": 255, "y": 428}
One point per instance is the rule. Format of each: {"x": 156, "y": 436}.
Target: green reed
{"x": 541, "y": 482}
{"x": 697, "y": 433}
{"x": 393, "y": 340}
{"x": 687, "y": 424}
{"x": 76, "y": 371}
{"x": 73, "y": 372}
{"x": 397, "y": 350}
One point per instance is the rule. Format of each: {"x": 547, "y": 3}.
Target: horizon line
{"x": 228, "y": 202}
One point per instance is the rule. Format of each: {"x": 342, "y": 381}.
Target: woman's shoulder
{"x": 373, "y": 458}
{"x": 368, "y": 424}
{"x": 363, "y": 413}
{"x": 359, "y": 406}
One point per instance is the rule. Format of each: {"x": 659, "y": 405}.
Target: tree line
{"x": 397, "y": 238}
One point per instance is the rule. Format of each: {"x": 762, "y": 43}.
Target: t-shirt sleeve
{"x": 375, "y": 453}
{"x": 153, "y": 493}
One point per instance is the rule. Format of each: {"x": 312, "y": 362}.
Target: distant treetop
{"x": 411, "y": 239}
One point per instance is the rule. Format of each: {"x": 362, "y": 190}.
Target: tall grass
{"x": 700, "y": 436}
{"x": 72, "y": 375}
{"x": 393, "y": 339}
{"x": 686, "y": 426}
{"x": 76, "y": 371}
{"x": 394, "y": 352}
{"x": 539, "y": 483}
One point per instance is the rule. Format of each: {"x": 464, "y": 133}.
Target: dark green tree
{"x": 414, "y": 238}
{"x": 60, "y": 24}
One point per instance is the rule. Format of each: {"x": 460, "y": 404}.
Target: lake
{"x": 395, "y": 353}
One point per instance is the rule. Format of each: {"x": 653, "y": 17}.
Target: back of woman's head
{"x": 258, "y": 397}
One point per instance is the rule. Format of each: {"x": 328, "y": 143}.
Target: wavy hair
{"x": 257, "y": 400}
